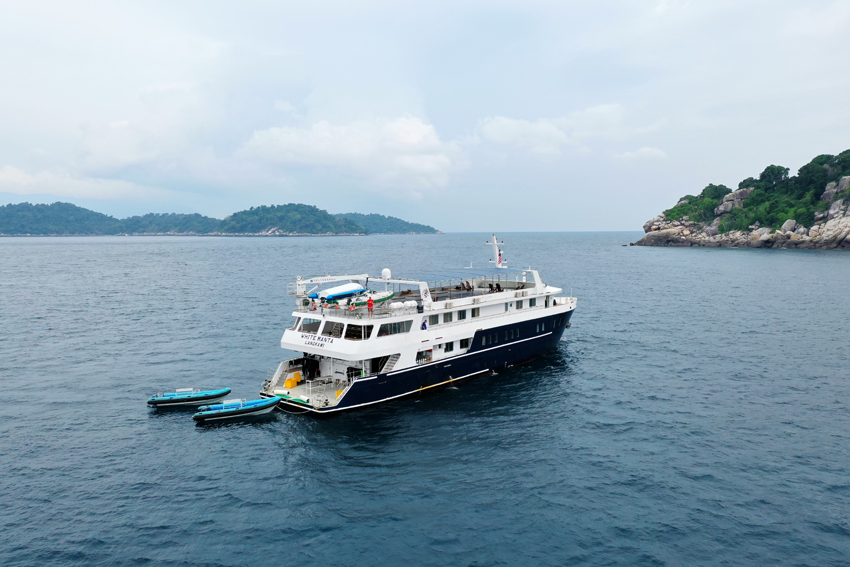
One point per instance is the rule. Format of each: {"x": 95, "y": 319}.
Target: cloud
{"x": 642, "y": 154}
{"x": 19, "y": 182}
{"x": 549, "y": 136}
{"x": 403, "y": 152}
{"x": 165, "y": 87}
{"x": 285, "y": 106}
{"x": 541, "y": 136}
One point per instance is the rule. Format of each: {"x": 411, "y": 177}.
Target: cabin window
{"x": 532, "y": 302}
{"x": 547, "y": 300}
{"x": 461, "y": 315}
{"x": 496, "y": 338}
{"x": 394, "y": 328}
{"x": 333, "y": 329}
{"x": 449, "y": 347}
{"x": 310, "y": 325}
{"x": 507, "y": 306}
{"x": 464, "y": 343}
{"x": 423, "y": 356}
{"x": 295, "y": 325}
{"x": 519, "y": 304}
{"x": 433, "y": 320}
{"x": 447, "y": 317}
{"x": 476, "y": 311}
{"x": 358, "y": 332}
{"x": 483, "y": 341}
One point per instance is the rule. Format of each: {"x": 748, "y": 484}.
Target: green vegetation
{"x": 379, "y": 224}
{"x": 67, "y": 219}
{"x": 291, "y": 218}
{"x": 169, "y": 222}
{"x": 58, "y": 218}
{"x": 699, "y": 208}
{"x": 776, "y": 196}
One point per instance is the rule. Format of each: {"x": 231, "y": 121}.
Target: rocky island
{"x": 809, "y": 210}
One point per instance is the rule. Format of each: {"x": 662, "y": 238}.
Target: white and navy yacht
{"x": 368, "y": 339}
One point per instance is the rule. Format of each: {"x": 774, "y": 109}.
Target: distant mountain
{"x": 288, "y": 219}
{"x": 68, "y": 219}
{"x": 379, "y": 224}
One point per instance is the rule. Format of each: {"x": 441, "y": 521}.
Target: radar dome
{"x": 386, "y": 273}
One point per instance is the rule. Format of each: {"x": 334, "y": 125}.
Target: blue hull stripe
{"x": 433, "y": 375}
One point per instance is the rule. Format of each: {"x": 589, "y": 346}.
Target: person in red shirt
{"x": 370, "y": 304}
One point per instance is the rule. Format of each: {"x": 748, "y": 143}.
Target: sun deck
{"x": 409, "y": 295}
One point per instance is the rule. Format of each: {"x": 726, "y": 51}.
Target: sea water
{"x": 696, "y": 413}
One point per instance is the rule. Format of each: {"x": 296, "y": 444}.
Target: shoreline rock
{"x": 831, "y": 229}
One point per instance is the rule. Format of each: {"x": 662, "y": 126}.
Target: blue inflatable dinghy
{"x": 231, "y": 409}
{"x": 188, "y": 397}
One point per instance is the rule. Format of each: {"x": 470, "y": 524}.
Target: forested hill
{"x": 769, "y": 200}
{"x": 288, "y": 219}
{"x": 379, "y": 224}
{"x": 68, "y": 219}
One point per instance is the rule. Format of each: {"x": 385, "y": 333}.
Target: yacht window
{"x": 295, "y": 325}
{"x": 447, "y": 317}
{"x": 483, "y": 341}
{"x": 433, "y": 320}
{"x": 423, "y": 356}
{"x": 358, "y": 332}
{"x": 496, "y": 338}
{"x": 332, "y": 329}
{"x": 464, "y": 343}
{"x": 519, "y": 304}
{"x": 507, "y": 306}
{"x": 449, "y": 347}
{"x": 461, "y": 315}
{"x": 394, "y": 328}
{"x": 310, "y": 325}
{"x": 532, "y": 302}
{"x": 476, "y": 311}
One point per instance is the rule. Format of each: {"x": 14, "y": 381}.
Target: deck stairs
{"x": 391, "y": 362}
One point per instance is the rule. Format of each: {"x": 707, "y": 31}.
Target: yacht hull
{"x": 479, "y": 360}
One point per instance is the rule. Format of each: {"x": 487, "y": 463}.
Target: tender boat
{"x": 433, "y": 330}
{"x": 187, "y": 397}
{"x": 340, "y": 292}
{"x": 236, "y": 408}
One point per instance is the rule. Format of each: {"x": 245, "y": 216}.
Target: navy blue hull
{"x": 492, "y": 349}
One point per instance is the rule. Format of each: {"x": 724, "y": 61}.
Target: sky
{"x": 468, "y": 116}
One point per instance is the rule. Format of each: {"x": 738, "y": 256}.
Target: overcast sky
{"x": 469, "y": 116}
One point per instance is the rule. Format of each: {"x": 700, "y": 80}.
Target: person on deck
{"x": 370, "y": 305}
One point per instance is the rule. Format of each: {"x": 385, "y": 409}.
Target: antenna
{"x": 497, "y": 253}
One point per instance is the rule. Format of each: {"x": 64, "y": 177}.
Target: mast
{"x": 497, "y": 253}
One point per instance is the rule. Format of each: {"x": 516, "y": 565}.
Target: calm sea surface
{"x": 697, "y": 412}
